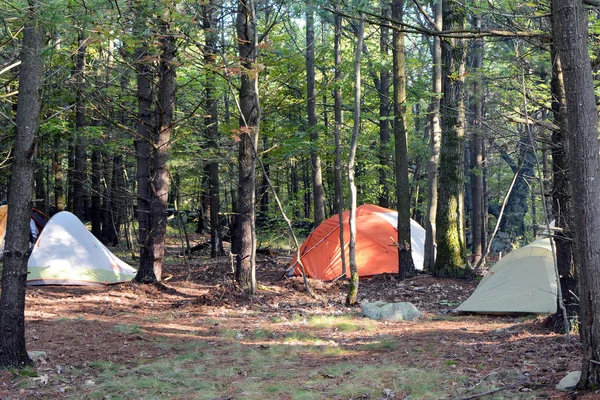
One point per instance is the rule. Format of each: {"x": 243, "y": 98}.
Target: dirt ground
{"x": 75, "y": 326}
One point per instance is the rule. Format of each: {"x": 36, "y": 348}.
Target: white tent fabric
{"x": 417, "y": 237}
{"x": 66, "y": 253}
{"x": 524, "y": 281}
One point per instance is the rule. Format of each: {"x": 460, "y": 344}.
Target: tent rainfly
{"x": 66, "y": 253}
{"x": 524, "y": 281}
{"x": 376, "y": 253}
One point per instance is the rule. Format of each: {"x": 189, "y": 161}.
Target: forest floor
{"x": 199, "y": 337}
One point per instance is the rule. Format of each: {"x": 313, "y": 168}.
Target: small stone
{"x": 37, "y": 356}
{"x": 569, "y": 381}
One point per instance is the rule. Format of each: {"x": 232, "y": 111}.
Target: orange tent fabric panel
{"x": 375, "y": 250}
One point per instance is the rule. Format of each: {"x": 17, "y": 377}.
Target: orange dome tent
{"x": 375, "y": 250}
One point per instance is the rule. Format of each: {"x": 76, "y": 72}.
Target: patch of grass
{"x": 343, "y": 323}
{"x": 384, "y": 343}
{"x": 104, "y": 365}
{"x": 450, "y": 303}
{"x": 229, "y": 334}
{"x": 261, "y": 334}
{"x": 300, "y": 337}
{"x": 127, "y": 328}
{"x": 27, "y": 371}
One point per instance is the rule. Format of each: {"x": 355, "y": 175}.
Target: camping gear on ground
{"x": 37, "y": 222}
{"x": 66, "y": 253}
{"x": 523, "y": 281}
{"x": 376, "y": 251}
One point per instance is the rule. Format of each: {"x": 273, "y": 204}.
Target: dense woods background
{"x": 452, "y": 113}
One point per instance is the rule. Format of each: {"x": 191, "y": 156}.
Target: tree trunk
{"x": 353, "y": 291}
{"x": 144, "y": 130}
{"x": 570, "y": 37}
{"x": 14, "y": 274}
{"x": 59, "y": 188}
{"x": 311, "y": 107}
{"x": 117, "y": 201}
{"x": 383, "y": 91}
{"x": 476, "y": 170}
{"x": 294, "y": 186}
{"x": 79, "y": 150}
{"x": 434, "y": 146}
{"x": 96, "y": 172}
{"x": 450, "y": 237}
{"x": 40, "y": 198}
{"x": 561, "y": 203}
{"x": 406, "y": 266}
{"x": 151, "y": 255}
{"x": 211, "y": 122}
{"x": 337, "y": 111}
{"x": 108, "y": 200}
{"x": 245, "y": 268}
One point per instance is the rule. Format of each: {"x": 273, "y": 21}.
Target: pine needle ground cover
{"x": 203, "y": 339}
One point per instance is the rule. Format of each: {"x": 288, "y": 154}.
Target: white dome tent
{"x": 66, "y": 253}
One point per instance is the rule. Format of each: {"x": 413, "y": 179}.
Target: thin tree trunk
{"x": 97, "y": 170}
{"x": 353, "y": 290}
{"x": 383, "y": 91}
{"x": 337, "y": 106}
{"x": 476, "y": 171}
{"x": 59, "y": 188}
{"x": 79, "y": 153}
{"x": 406, "y": 266}
{"x": 311, "y": 107}
{"x": 13, "y": 351}
{"x": 212, "y": 127}
{"x": 434, "y": 146}
{"x": 245, "y": 266}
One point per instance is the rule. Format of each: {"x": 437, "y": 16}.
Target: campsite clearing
{"x": 203, "y": 339}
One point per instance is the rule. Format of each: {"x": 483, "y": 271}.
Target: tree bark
{"x": 14, "y": 275}
{"x": 211, "y": 121}
{"x": 450, "y": 237}
{"x": 337, "y": 111}
{"x": 561, "y": 202}
{"x": 383, "y": 91}
{"x": 144, "y": 130}
{"x": 476, "y": 170}
{"x": 353, "y": 290}
{"x": 434, "y": 145}
{"x": 406, "y": 266}
{"x": 59, "y": 188}
{"x": 152, "y": 253}
{"x": 311, "y": 107}
{"x": 245, "y": 268}
{"x": 79, "y": 148}
{"x": 570, "y": 37}
{"x": 96, "y": 172}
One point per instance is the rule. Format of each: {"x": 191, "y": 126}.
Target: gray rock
{"x": 569, "y": 381}
{"x": 381, "y": 310}
{"x": 37, "y": 356}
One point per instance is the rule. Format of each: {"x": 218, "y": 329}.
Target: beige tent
{"x": 524, "y": 281}
{"x": 66, "y": 253}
